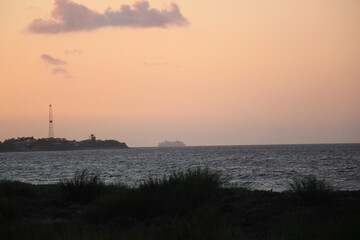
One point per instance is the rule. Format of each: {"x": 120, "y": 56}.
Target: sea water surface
{"x": 265, "y": 167}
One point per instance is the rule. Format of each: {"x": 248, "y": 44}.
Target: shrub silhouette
{"x": 83, "y": 188}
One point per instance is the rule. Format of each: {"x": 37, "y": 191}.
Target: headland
{"x": 25, "y": 144}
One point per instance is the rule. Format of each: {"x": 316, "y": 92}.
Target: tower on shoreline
{"x": 51, "y": 123}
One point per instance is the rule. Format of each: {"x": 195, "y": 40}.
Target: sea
{"x": 262, "y": 167}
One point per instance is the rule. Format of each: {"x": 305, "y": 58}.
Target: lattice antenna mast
{"x": 51, "y": 123}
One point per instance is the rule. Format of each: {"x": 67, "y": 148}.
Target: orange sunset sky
{"x": 204, "y": 72}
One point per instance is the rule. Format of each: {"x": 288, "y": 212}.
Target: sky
{"x": 234, "y": 72}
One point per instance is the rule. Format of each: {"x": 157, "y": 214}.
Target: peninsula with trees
{"x": 25, "y": 144}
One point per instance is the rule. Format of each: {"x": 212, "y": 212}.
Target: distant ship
{"x": 171, "y": 144}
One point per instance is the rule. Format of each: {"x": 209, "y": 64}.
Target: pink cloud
{"x": 68, "y": 16}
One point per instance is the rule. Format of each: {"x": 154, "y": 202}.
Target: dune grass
{"x": 311, "y": 190}
{"x": 318, "y": 224}
{"x": 193, "y": 227}
{"x": 16, "y": 189}
{"x": 189, "y": 179}
{"x": 13, "y": 195}
{"x": 177, "y": 194}
{"x": 192, "y": 204}
{"x": 182, "y": 191}
{"x": 83, "y": 188}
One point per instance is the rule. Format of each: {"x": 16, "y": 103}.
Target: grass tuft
{"x": 182, "y": 191}
{"x": 177, "y": 194}
{"x": 83, "y": 188}
{"x": 311, "y": 190}
{"x": 192, "y": 179}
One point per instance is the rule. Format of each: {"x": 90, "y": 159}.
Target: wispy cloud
{"x": 59, "y": 70}
{"x": 159, "y": 64}
{"x": 51, "y": 60}
{"x": 68, "y": 16}
{"x": 74, "y": 51}
{"x": 56, "y": 62}
{"x": 31, "y": 8}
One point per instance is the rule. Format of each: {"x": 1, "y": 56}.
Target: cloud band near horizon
{"x": 68, "y": 16}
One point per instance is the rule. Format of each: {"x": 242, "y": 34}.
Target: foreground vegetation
{"x": 191, "y": 204}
